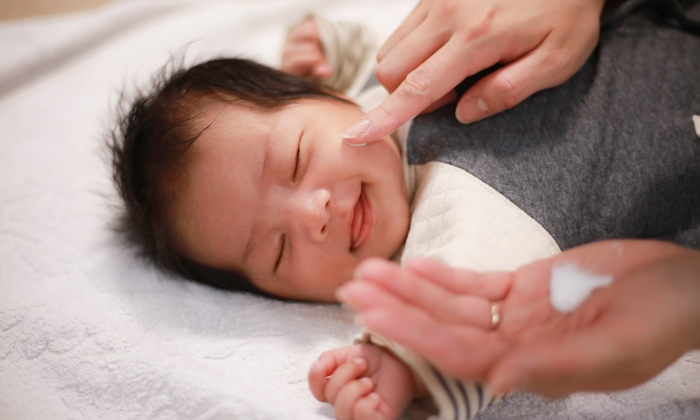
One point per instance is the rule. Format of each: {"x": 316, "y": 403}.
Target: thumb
{"x": 512, "y": 84}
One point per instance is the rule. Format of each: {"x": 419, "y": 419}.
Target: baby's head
{"x": 234, "y": 174}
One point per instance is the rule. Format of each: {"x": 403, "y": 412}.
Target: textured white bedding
{"x": 87, "y": 331}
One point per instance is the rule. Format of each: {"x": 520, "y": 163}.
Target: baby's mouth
{"x": 362, "y": 221}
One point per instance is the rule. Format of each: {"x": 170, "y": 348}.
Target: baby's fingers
{"x": 303, "y": 60}
{"x": 318, "y": 381}
{"x": 349, "y": 397}
{"x": 345, "y": 373}
{"x": 372, "y": 407}
{"x": 321, "y": 370}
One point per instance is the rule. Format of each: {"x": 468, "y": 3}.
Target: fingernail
{"x": 359, "y": 361}
{"x": 359, "y": 321}
{"x": 366, "y": 381}
{"x": 473, "y": 109}
{"x": 356, "y": 130}
{"x": 354, "y": 144}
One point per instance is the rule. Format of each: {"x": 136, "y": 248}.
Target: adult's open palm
{"x": 622, "y": 335}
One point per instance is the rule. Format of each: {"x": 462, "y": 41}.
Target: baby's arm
{"x": 364, "y": 381}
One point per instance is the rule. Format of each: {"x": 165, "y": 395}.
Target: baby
{"x": 233, "y": 174}
{"x": 237, "y": 171}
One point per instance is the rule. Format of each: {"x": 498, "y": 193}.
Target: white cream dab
{"x": 570, "y": 285}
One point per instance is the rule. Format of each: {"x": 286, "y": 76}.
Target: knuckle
{"x": 384, "y": 115}
{"x": 418, "y": 83}
{"x": 561, "y": 60}
{"x": 481, "y": 26}
{"x": 507, "y": 90}
{"x": 561, "y": 63}
{"x": 448, "y": 8}
{"x": 384, "y": 75}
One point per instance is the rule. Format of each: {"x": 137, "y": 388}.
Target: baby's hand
{"x": 302, "y": 54}
{"x": 363, "y": 382}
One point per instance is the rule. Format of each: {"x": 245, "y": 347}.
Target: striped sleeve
{"x": 454, "y": 398}
{"x": 350, "y": 49}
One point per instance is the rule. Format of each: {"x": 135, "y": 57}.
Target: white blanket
{"x": 86, "y": 330}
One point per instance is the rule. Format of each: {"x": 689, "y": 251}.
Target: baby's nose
{"x": 311, "y": 214}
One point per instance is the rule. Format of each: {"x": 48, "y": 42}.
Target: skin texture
{"x": 364, "y": 382}
{"x": 621, "y": 336}
{"x": 542, "y": 43}
{"x": 242, "y": 202}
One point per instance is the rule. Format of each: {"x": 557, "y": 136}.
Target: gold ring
{"x": 495, "y": 316}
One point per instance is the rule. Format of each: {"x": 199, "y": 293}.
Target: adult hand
{"x": 620, "y": 336}
{"x": 541, "y": 42}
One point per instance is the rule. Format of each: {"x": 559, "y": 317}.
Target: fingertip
{"x": 317, "y": 383}
{"x": 472, "y": 109}
{"x": 322, "y": 70}
{"x": 374, "y": 397}
{"x": 367, "y": 383}
{"x": 372, "y": 267}
{"x": 357, "y": 295}
{"x": 352, "y": 135}
{"x": 341, "y": 295}
{"x": 317, "y": 370}
{"x": 420, "y": 265}
{"x": 360, "y": 362}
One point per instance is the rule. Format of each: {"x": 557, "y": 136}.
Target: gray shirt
{"x": 611, "y": 153}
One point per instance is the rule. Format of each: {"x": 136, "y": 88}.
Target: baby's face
{"x": 278, "y": 196}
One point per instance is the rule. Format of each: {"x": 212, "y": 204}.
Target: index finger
{"x": 439, "y": 303}
{"x": 493, "y": 286}
{"x": 444, "y": 345}
{"x": 322, "y": 368}
{"x": 409, "y": 24}
{"x": 429, "y": 82}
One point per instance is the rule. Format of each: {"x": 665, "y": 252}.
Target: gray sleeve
{"x": 617, "y": 9}
{"x": 674, "y": 11}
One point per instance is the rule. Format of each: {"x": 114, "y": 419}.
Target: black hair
{"x": 149, "y": 151}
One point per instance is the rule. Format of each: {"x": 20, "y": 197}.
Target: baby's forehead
{"x": 224, "y": 168}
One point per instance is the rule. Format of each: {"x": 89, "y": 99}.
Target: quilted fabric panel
{"x": 465, "y": 223}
